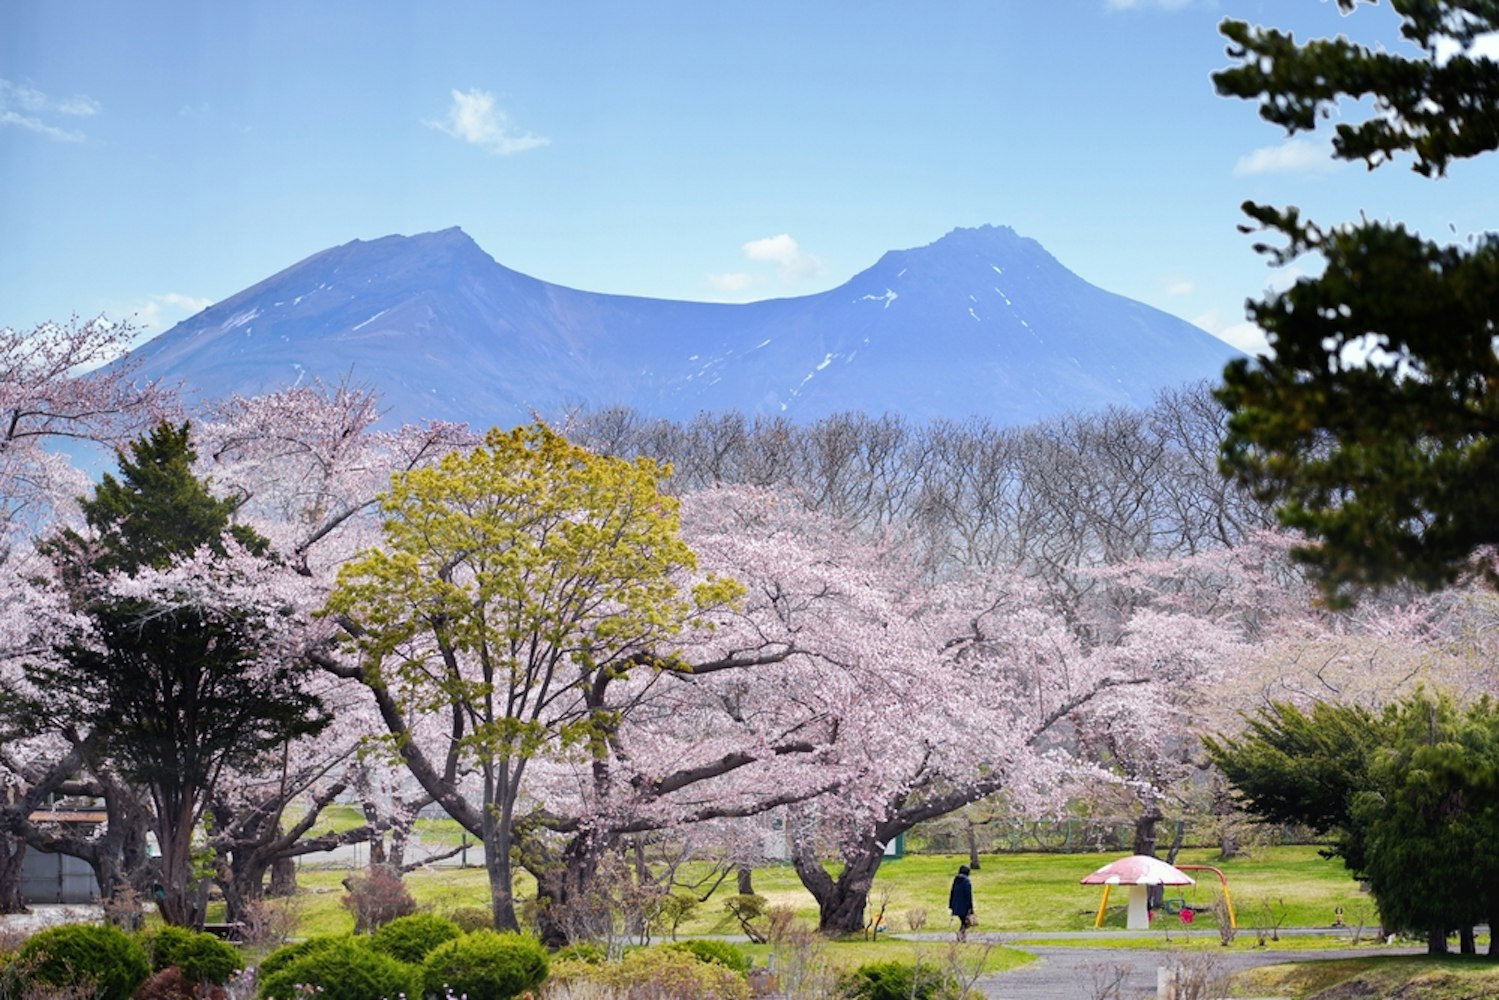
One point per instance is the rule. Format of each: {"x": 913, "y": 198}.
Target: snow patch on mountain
{"x": 361, "y": 326}
{"x": 504, "y": 346}
{"x": 239, "y": 319}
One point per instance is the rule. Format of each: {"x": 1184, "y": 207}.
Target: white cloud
{"x": 735, "y": 281}
{"x": 795, "y": 263}
{"x": 1483, "y": 47}
{"x": 1245, "y": 336}
{"x": 1141, "y": 4}
{"x": 473, "y": 118}
{"x": 1180, "y": 287}
{"x": 159, "y": 313}
{"x": 1297, "y": 156}
{"x": 29, "y": 108}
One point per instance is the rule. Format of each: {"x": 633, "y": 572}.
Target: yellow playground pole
{"x": 1228, "y": 900}
{"x": 1104, "y": 905}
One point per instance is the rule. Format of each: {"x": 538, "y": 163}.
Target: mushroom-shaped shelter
{"x": 1136, "y": 871}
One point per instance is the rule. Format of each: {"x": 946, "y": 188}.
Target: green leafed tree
{"x": 1291, "y": 766}
{"x": 1407, "y": 794}
{"x": 1372, "y": 426}
{"x": 179, "y": 656}
{"x": 1430, "y": 819}
{"x": 515, "y": 583}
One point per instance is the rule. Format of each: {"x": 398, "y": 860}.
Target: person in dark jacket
{"x": 960, "y": 901}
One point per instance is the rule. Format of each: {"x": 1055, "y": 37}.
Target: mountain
{"x": 981, "y": 322}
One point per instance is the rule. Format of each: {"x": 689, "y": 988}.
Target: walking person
{"x": 960, "y": 901}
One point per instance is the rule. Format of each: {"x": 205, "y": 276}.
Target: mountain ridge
{"x": 981, "y": 322}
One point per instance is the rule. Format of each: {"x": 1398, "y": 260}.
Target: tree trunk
{"x": 1436, "y": 941}
{"x": 973, "y": 847}
{"x": 12, "y": 854}
{"x": 1145, "y": 844}
{"x": 1145, "y": 832}
{"x": 501, "y": 881}
{"x": 745, "y": 880}
{"x": 377, "y": 836}
{"x": 1466, "y": 945}
{"x": 283, "y": 878}
{"x": 1228, "y": 842}
{"x": 242, "y": 881}
{"x": 841, "y": 902}
{"x": 1223, "y": 811}
{"x": 1178, "y": 838}
{"x": 567, "y": 909}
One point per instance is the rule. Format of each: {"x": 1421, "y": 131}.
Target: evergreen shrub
{"x": 720, "y": 952}
{"x": 472, "y": 918}
{"x": 342, "y": 969}
{"x": 897, "y": 981}
{"x": 288, "y": 953}
{"x": 411, "y": 938}
{"x": 202, "y": 957}
{"x": 83, "y": 957}
{"x": 485, "y": 965}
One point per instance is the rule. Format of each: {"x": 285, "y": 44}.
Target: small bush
{"x": 376, "y": 897}
{"x": 202, "y": 958}
{"x": 472, "y": 918}
{"x": 661, "y": 974}
{"x": 897, "y": 981}
{"x": 286, "y": 954}
{"x": 674, "y": 908}
{"x": 342, "y": 969}
{"x": 78, "y": 957}
{"x": 411, "y": 938}
{"x": 485, "y": 965}
{"x": 720, "y": 952}
{"x": 586, "y": 952}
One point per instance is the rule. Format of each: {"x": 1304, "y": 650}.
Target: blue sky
{"x": 157, "y": 157}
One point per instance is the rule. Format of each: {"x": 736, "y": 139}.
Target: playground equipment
{"x": 1139, "y": 872}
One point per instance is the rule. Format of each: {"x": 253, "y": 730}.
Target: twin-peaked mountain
{"x": 982, "y": 322}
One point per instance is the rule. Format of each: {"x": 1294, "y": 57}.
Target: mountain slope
{"x": 981, "y": 322}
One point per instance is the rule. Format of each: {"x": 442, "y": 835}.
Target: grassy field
{"x": 1450, "y": 978}
{"x": 1013, "y": 894}
{"x": 1018, "y": 895}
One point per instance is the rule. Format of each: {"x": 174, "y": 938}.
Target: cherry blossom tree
{"x": 904, "y": 699}
{"x": 516, "y": 580}
{"x": 54, "y": 393}
{"x": 304, "y": 467}
{"x": 54, "y": 396}
{"x": 183, "y": 652}
{"x": 308, "y": 466}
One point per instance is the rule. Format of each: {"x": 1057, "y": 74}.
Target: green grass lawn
{"x": 1013, "y": 894}
{"x": 1017, "y": 895}
{"x": 1449, "y": 978}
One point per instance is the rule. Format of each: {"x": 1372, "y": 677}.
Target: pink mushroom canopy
{"x": 1139, "y": 869}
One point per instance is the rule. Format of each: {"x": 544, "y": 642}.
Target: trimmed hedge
{"x": 411, "y": 938}
{"x": 202, "y": 957}
{"x": 343, "y": 969}
{"x": 80, "y": 956}
{"x": 288, "y": 953}
{"x": 485, "y": 965}
{"x": 896, "y": 981}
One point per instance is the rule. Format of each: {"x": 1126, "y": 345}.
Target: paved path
{"x": 1069, "y": 972}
